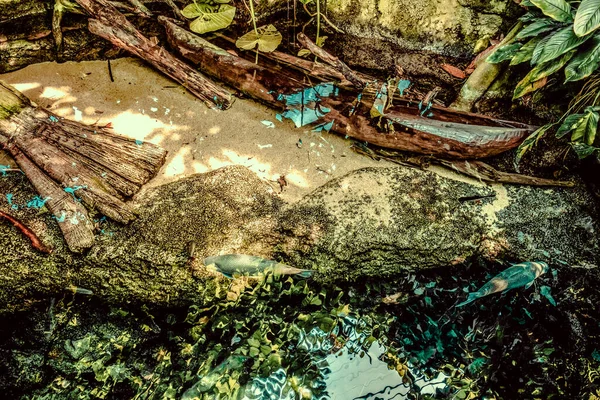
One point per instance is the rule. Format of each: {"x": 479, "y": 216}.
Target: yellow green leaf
{"x": 266, "y": 37}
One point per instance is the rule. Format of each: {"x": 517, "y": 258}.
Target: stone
{"x": 454, "y": 27}
{"x": 373, "y": 223}
{"x": 378, "y": 222}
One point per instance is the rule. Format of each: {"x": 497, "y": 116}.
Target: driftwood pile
{"x": 62, "y": 157}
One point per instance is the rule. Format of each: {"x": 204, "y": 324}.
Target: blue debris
{"x": 52, "y": 118}
{"x": 37, "y": 202}
{"x": 306, "y": 115}
{"x": 267, "y": 123}
{"x": 71, "y": 190}
{"x": 358, "y": 99}
{"x": 596, "y": 355}
{"x": 9, "y": 198}
{"x": 380, "y": 102}
{"x": 279, "y": 117}
{"x": 3, "y": 169}
{"x": 62, "y": 217}
{"x": 323, "y": 127}
{"x": 303, "y": 107}
{"x": 139, "y": 142}
{"x": 403, "y": 85}
{"x": 545, "y": 291}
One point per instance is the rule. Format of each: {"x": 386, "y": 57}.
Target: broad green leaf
{"x": 304, "y": 52}
{"x": 587, "y": 18}
{"x": 525, "y": 53}
{"x": 531, "y": 141}
{"x": 558, "y": 10}
{"x": 526, "y": 3}
{"x": 527, "y": 84}
{"x": 537, "y": 52}
{"x": 536, "y": 28}
{"x": 584, "y": 63}
{"x": 585, "y": 131}
{"x": 504, "y": 53}
{"x": 209, "y": 18}
{"x": 568, "y": 125}
{"x": 267, "y": 38}
{"x": 583, "y": 150}
{"x": 560, "y": 43}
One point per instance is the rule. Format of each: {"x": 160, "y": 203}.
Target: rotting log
{"x": 69, "y": 163}
{"x": 450, "y": 134}
{"x": 107, "y": 22}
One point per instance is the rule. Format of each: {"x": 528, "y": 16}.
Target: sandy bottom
{"x": 145, "y": 105}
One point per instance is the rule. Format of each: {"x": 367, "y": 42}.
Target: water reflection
{"x": 350, "y": 365}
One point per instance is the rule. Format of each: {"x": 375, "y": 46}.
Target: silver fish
{"x": 242, "y": 264}
{"x": 518, "y": 275}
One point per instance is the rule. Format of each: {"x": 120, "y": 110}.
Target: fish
{"x": 519, "y": 275}
{"x": 242, "y": 264}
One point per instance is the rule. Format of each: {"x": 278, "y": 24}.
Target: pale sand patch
{"x": 145, "y": 105}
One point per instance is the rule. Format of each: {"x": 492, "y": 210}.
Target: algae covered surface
{"x": 277, "y": 337}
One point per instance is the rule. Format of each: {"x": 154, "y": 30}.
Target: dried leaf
{"x": 454, "y": 71}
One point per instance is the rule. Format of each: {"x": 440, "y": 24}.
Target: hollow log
{"x": 450, "y": 134}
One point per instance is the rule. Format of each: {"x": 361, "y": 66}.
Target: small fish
{"x": 518, "y": 275}
{"x": 79, "y": 290}
{"x": 241, "y": 264}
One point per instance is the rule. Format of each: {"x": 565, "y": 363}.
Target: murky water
{"x": 296, "y": 339}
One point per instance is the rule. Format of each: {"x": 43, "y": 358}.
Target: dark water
{"x": 280, "y": 338}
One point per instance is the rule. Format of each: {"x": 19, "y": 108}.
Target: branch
{"x": 35, "y": 241}
{"x": 108, "y": 23}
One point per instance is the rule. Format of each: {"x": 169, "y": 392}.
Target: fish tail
{"x": 305, "y": 274}
{"x": 472, "y": 297}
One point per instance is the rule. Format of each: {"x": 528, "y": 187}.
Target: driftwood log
{"x": 107, "y": 22}
{"x": 69, "y": 163}
{"x": 451, "y": 134}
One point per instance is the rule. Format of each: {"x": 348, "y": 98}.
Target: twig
{"x": 332, "y": 60}
{"x": 324, "y": 19}
{"x": 110, "y": 71}
{"x": 176, "y": 10}
{"x": 35, "y": 241}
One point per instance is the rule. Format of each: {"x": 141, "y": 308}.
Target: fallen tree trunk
{"x": 68, "y": 162}
{"x": 450, "y": 134}
{"x": 107, "y": 22}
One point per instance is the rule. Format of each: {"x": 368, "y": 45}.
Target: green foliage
{"x": 559, "y": 35}
{"x": 587, "y": 18}
{"x": 210, "y": 15}
{"x": 266, "y": 38}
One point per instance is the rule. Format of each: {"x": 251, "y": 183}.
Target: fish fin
{"x": 305, "y": 274}
{"x": 472, "y": 297}
{"x": 529, "y": 285}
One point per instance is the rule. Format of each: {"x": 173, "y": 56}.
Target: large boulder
{"x": 376, "y": 222}
{"x": 227, "y": 210}
{"x": 371, "y": 223}
{"x": 444, "y": 26}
